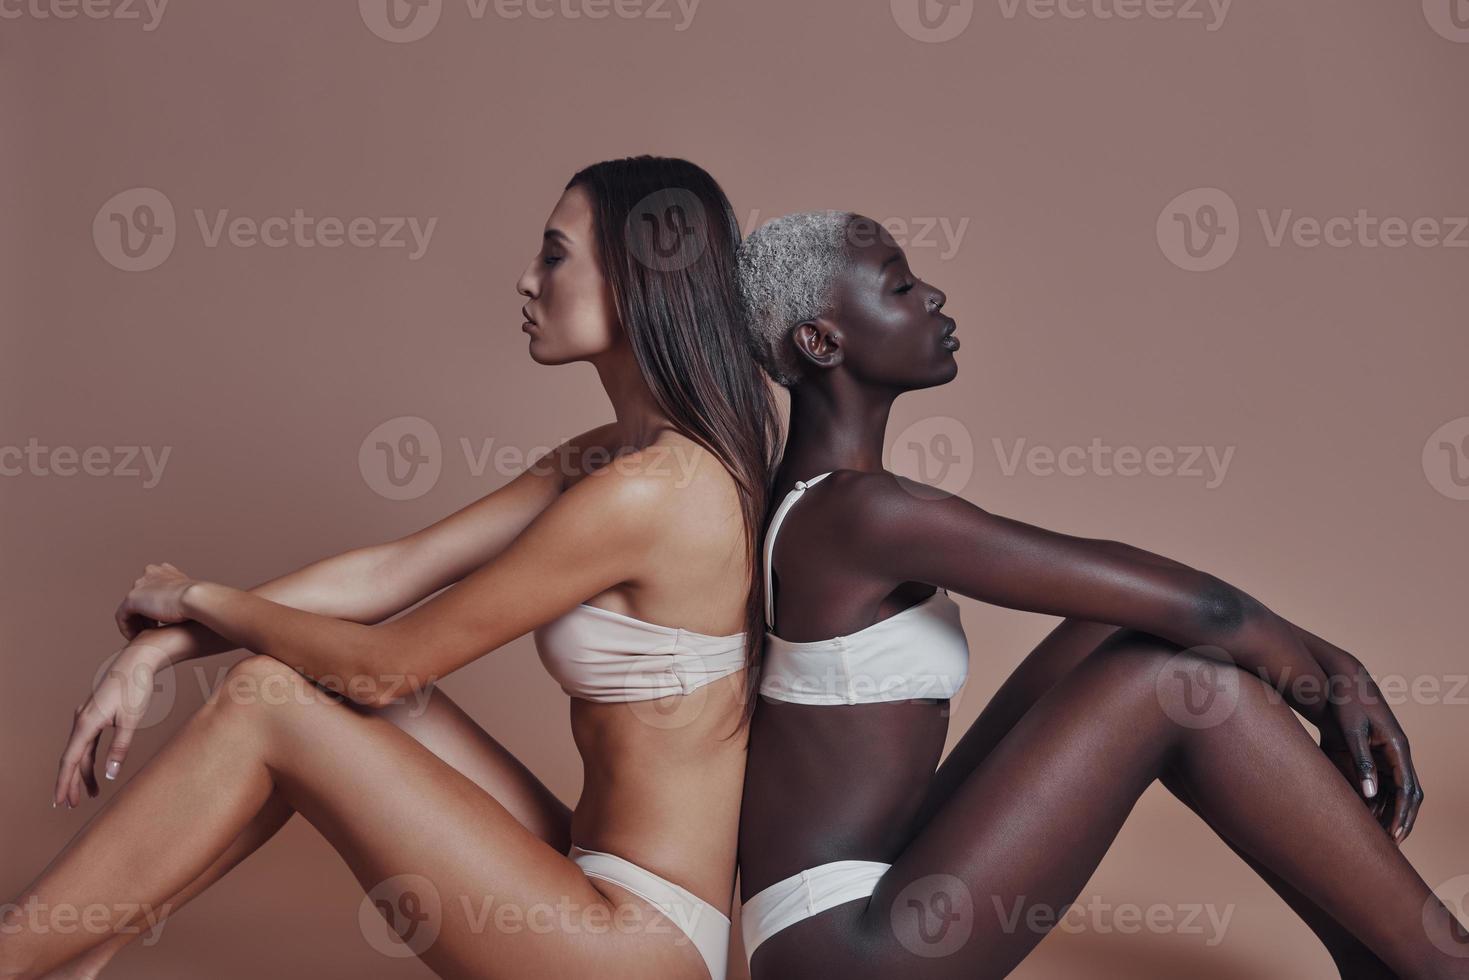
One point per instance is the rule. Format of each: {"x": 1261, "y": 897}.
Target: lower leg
{"x": 173, "y": 821}
{"x": 90, "y": 963}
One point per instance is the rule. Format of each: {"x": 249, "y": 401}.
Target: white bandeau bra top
{"x": 600, "y": 655}
{"x": 919, "y": 652}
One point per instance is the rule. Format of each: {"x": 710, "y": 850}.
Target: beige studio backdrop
{"x": 1207, "y": 257}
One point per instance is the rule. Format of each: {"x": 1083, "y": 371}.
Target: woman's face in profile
{"x": 570, "y": 312}
{"x": 889, "y": 323}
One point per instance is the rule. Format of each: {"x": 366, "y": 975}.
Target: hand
{"x": 156, "y": 597}
{"x": 1359, "y": 733}
{"x": 119, "y": 702}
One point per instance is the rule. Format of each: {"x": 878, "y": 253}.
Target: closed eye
{"x": 904, "y": 288}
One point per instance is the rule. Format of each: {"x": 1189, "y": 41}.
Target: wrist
{"x": 161, "y": 646}
{"x": 193, "y": 598}
{"x": 153, "y": 655}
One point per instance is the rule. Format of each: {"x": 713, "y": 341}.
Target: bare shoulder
{"x": 670, "y": 483}
{"x": 876, "y": 512}
{"x": 577, "y": 455}
{"x": 881, "y": 497}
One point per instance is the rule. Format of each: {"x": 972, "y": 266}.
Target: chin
{"x": 944, "y": 375}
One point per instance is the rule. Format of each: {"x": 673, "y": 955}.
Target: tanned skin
{"x": 654, "y": 533}
{"x": 1024, "y": 808}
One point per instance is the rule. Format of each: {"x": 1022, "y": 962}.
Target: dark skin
{"x": 1030, "y": 799}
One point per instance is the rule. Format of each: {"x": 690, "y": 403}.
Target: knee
{"x": 261, "y": 682}
{"x": 1201, "y": 688}
{"x": 1192, "y": 688}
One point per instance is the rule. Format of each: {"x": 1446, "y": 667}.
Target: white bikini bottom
{"x": 803, "y": 895}
{"x": 706, "y": 926}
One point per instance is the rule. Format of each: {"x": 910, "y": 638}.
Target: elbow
{"x": 377, "y": 682}
{"x": 1222, "y": 610}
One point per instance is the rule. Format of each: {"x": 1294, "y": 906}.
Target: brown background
{"x": 1059, "y": 140}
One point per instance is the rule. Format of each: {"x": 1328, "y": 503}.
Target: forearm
{"x": 339, "y": 655}
{"x": 1295, "y": 662}
{"x": 356, "y": 585}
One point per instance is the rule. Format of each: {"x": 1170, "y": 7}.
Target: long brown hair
{"x": 668, "y": 238}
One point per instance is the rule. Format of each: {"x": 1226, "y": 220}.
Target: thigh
{"x": 1065, "y": 647}
{"x": 447, "y": 730}
{"x": 980, "y": 885}
{"x": 464, "y": 885}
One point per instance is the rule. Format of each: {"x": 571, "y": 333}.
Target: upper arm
{"x": 919, "y": 534}
{"x": 595, "y": 535}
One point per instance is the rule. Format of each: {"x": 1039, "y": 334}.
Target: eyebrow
{"x": 888, "y": 261}
{"x": 557, "y": 235}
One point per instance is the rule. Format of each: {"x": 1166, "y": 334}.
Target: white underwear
{"x": 803, "y": 895}
{"x": 706, "y": 926}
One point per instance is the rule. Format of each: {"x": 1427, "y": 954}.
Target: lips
{"x": 525, "y": 312}
{"x": 947, "y": 339}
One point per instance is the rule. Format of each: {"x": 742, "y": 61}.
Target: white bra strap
{"x": 775, "y": 522}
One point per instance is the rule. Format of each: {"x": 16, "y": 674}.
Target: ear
{"x": 819, "y": 341}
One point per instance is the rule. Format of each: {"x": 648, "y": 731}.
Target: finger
{"x": 70, "y": 779}
{"x": 1395, "y": 752}
{"x": 1362, "y": 762}
{"x": 87, "y": 760}
{"x": 63, "y": 765}
{"x": 1413, "y": 813}
{"x": 89, "y": 764}
{"x": 120, "y": 616}
{"x": 117, "y": 752}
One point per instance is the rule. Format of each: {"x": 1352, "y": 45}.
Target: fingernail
{"x": 53, "y": 804}
{"x": 1369, "y": 786}
{"x": 112, "y": 767}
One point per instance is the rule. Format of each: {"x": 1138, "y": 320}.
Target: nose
{"x": 936, "y": 300}
{"x": 527, "y": 285}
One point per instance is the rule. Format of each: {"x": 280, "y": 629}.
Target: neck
{"x": 639, "y": 418}
{"x": 836, "y": 427}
